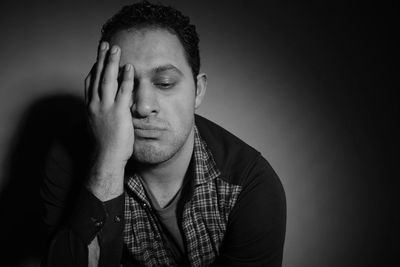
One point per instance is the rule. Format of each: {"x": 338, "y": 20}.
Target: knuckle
{"x": 126, "y": 85}
{"x": 122, "y": 93}
{"x": 105, "y": 82}
{"x": 113, "y": 58}
{"x": 108, "y": 84}
{"x": 119, "y": 111}
{"x": 128, "y": 78}
{"x": 123, "y": 87}
{"x": 99, "y": 69}
{"x": 92, "y": 108}
{"x": 101, "y": 56}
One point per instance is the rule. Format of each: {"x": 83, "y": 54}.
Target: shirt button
{"x": 98, "y": 224}
{"x": 144, "y": 205}
{"x": 117, "y": 219}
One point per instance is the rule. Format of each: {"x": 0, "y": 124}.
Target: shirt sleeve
{"x": 257, "y": 224}
{"x": 71, "y": 231}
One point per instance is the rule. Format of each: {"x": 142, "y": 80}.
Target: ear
{"x": 201, "y": 86}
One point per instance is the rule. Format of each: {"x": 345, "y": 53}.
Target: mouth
{"x": 147, "y": 133}
{"x": 147, "y": 130}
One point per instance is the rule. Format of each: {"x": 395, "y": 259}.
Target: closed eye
{"x": 164, "y": 85}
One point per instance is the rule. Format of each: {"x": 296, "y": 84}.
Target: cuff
{"x": 91, "y": 216}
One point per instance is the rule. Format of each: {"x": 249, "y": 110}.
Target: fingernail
{"x": 128, "y": 67}
{"x": 103, "y": 46}
{"x": 114, "y": 50}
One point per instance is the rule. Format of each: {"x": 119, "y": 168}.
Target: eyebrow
{"x": 166, "y": 67}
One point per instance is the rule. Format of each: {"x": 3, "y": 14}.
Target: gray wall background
{"x": 311, "y": 86}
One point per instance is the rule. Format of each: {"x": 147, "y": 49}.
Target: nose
{"x": 145, "y": 102}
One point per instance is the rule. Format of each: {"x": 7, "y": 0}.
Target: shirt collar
{"x": 205, "y": 168}
{"x": 202, "y": 167}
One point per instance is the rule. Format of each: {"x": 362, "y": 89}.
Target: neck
{"x": 169, "y": 175}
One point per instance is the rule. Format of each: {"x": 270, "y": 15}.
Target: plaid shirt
{"x": 204, "y": 217}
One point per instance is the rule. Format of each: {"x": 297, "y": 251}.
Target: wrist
{"x": 106, "y": 179}
{"x": 109, "y": 159}
{"x": 108, "y": 165}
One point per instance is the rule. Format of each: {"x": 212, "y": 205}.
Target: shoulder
{"x": 238, "y": 162}
{"x": 256, "y": 224}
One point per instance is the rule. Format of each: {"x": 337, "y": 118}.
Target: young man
{"x": 163, "y": 186}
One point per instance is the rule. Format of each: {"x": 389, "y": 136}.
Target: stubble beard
{"x": 157, "y": 152}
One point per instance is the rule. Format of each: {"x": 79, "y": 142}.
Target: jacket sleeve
{"x": 257, "y": 224}
{"x": 70, "y": 232}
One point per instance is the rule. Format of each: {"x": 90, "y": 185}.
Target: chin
{"x": 158, "y": 151}
{"x": 151, "y": 154}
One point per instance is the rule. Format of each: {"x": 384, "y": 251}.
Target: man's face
{"x": 164, "y": 93}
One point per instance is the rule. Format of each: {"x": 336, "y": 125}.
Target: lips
{"x": 147, "y": 133}
{"x": 148, "y": 130}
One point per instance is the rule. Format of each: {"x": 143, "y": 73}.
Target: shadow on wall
{"x": 45, "y": 121}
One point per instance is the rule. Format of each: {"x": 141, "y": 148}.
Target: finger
{"x": 109, "y": 83}
{"x": 124, "y": 96}
{"x": 101, "y": 55}
{"x": 88, "y": 83}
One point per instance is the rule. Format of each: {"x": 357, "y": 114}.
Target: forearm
{"x": 256, "y": 229}
{"x": 93, "y": 234}
{"x": 99, "y": 207}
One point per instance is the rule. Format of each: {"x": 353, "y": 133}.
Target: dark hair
{"x": 144, "y": 14}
